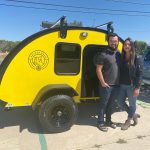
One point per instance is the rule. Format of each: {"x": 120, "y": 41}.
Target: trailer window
{"x": 67, "y": 58}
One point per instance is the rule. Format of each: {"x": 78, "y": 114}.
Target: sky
{"x": 22, "y": 18}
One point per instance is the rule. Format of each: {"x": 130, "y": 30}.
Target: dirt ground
{"x": 19, "y": 130}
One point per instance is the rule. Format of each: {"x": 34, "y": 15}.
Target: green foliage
{"x": 7, "y": 46}
{"x": 76, "y": 23}
{"x": 141, "y": 46}
{"x": 46, "y": 24}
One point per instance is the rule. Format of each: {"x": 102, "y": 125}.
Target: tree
{"x": 7, "y": 45}
{"x": 141, "y": 46}
{"x": 76, "y": 23}
{"x": 46, "y": 24}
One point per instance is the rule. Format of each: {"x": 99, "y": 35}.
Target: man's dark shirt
{"x": 111, "y": 61}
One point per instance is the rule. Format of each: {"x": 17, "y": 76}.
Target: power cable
{"x": 77, "y": 7}
{"x": 127, "y": 2}
{"x": 76, "y": 11}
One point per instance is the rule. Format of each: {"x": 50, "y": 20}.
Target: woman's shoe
{"x": 135, "y": 119}
{"x": 126, "y": 125}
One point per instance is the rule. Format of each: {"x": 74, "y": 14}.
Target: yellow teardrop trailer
{"x": 54, "y": 70}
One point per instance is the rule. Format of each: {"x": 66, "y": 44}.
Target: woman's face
{"x": 127, "y": 46}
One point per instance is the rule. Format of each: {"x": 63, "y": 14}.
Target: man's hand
{"x": 105, "y": 84}
{"x": 136, "y": 92}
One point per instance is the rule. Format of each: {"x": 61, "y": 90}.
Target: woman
{"x": 130, "y": 81}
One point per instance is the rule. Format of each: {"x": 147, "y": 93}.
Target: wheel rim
{"x": 59, "y": 116}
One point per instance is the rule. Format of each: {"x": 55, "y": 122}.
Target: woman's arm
{"x": 138, "y": 75}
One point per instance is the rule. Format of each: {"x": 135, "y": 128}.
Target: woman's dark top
{"x": 124, "y": 74}
{"x": 131, "y": 75}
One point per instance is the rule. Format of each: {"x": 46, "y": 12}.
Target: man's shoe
{"x": 126, "y": 125}
{"x": 135, "y": 119}
{"x": 102, "y": 127}
{"x": 111, "y": 124}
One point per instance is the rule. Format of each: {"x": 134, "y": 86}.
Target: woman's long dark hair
{"x": 132, "y": 53}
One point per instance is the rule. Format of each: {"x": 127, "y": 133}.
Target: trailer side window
{"x": 67, "y": 58}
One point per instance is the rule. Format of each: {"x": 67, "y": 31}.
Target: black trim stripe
{"x": 28, "y": 40}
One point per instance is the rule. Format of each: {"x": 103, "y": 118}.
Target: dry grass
{"x": 3, "y": 55}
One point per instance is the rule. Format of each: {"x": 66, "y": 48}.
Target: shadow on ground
{"x": 145, "y": 93}
{"x": 87, "y": 114}
{"x": 25, "y": 118}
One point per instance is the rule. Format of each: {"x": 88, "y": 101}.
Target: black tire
{"x": 58, "y": 113}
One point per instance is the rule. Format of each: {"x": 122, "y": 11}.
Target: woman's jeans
{"x": 126, "y": 91}
{"x": 107, "y": 98}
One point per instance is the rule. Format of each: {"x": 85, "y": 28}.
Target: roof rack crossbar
{"x": 59, "y": 21}
{"x": 110, "y": 28}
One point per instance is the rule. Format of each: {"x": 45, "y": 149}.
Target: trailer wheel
{"x": 58, "y": 113}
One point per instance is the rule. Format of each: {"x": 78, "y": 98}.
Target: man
{"x": 107, "y": 69}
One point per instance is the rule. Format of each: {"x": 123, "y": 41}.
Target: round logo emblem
{"x": 38, "y": 60}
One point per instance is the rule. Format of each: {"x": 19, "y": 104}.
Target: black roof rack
{"x": 110, "y": 28}
{"x": 59, "y": 22}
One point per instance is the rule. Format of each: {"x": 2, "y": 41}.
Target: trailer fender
{"x": 51, "y": 90}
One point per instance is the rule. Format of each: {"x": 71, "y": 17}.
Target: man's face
{"x": 113, "y": 42}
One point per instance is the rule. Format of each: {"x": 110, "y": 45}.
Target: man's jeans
{"x": 107, "y": 98}
{"x": 126, "y": 91}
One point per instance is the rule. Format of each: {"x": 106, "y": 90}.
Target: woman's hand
{"x": 136, "y": 92}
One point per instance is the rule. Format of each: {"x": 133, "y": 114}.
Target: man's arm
{"x": 100, "y": 75}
